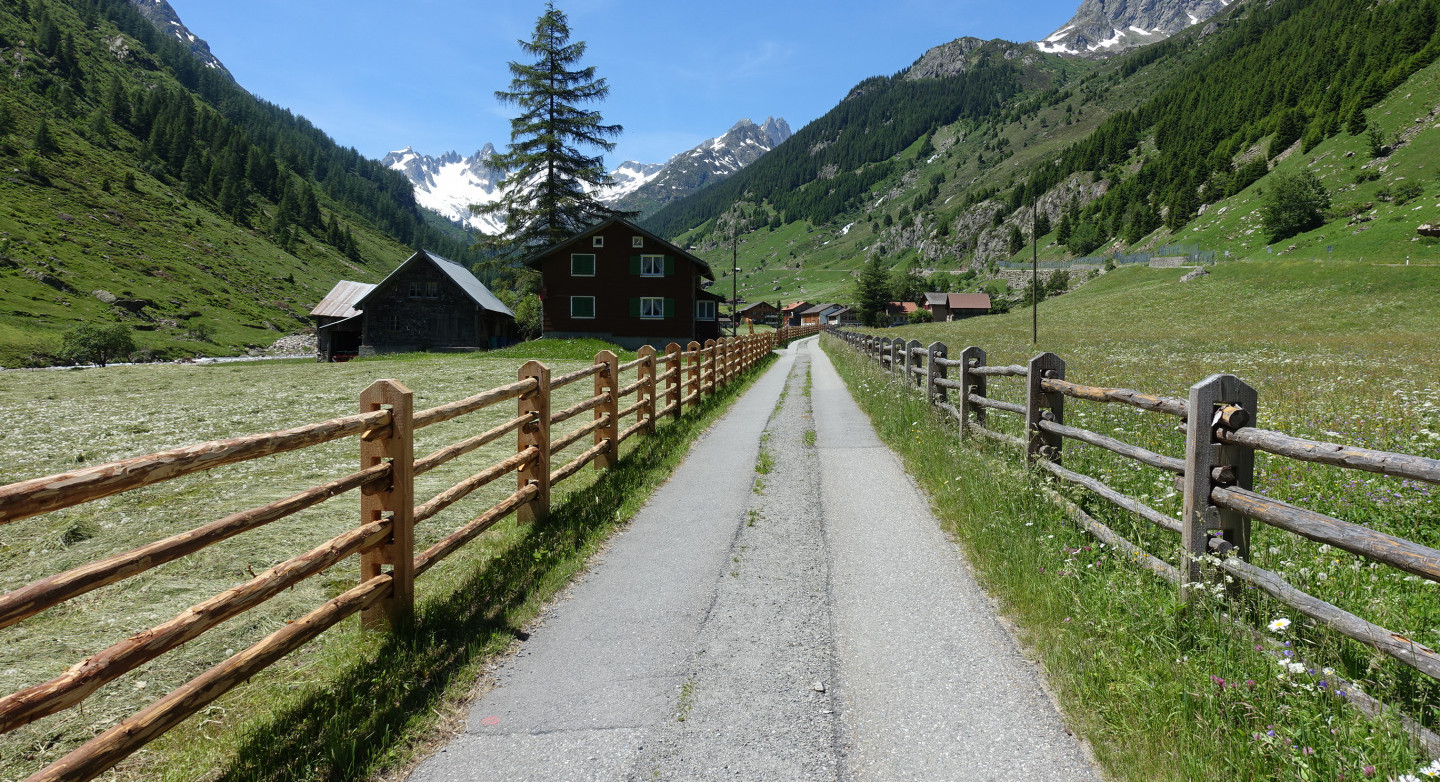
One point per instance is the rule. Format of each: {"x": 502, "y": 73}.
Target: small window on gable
{"x": 582, "y": 264}
{"x": 652, "y": 266}
{"x": 637, "y": 241}
{"x": 421, "y": 289}
{"x": 582, "y": 306}
{"x": 597, "y": 241}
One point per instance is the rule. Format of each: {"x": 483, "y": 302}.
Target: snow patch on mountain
{"x": 1105, "y": 27}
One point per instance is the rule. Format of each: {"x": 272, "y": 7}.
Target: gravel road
{"x": 806, "y": 620}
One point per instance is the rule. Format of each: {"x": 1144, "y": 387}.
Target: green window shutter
{"x": 635, "y": 267}
{"x": 635, "y": 301}
{"x": 669, "y": 304}
{"x": 669, "y": 265}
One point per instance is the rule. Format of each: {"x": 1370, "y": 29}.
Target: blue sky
{"x": 383, "y": 75}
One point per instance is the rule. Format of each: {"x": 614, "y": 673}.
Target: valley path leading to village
{"x": 820, "y": 628}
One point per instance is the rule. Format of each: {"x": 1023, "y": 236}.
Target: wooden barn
{"x": 428, "y": 303}
{"x": 621, "y": 283}
{"x": 954, "y": 306}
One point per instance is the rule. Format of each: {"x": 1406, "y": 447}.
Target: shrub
{"x": 96, "y": 344}
{"x": 1293, "y": 203}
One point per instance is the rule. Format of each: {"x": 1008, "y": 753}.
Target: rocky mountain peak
{"x": 1104, "y": 27}
{"x": 166, "y": 20}
{"x": 959, "y": 56}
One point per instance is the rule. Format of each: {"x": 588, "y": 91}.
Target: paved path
{"x": 818, "y": 627}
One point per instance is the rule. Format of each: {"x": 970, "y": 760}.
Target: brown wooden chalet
{"x": 954, "y": 306}
{"x": 760, "y": 312}
{"x": 428, "y": 303}
{"x": 621, "y": 283}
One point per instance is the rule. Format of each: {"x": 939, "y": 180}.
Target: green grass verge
{"x": 1162, "y": 692}
{"x": 353, "y": 704}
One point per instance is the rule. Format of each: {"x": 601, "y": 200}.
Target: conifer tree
{"x": 547, "y": 173}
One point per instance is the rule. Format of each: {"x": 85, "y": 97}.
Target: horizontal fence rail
{"x": 656, "y": 384}
{"x": 1216, "y": 476}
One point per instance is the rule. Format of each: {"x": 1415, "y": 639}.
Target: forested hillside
{"x": 146, "y": 187}
{"x": 1266, "y": 130}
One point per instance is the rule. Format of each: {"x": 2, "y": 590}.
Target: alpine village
{"x": 552, "y": 364}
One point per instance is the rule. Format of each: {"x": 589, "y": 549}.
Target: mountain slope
{"x": 145, "y": 186}
{"x": 1177, "y": 143}
{"x": 163, "y": 16}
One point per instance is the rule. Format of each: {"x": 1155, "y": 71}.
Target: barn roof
{"x": 461, "y": 276}
{"x": 820, "y": 308}
{"x": 934, "y": 299}
{"x": 340, "y": 301}
{"x": 969, "y": 301}
{"x": 534, "y": 260}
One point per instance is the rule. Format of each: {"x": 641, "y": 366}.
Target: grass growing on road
{"x": 351, "y": 704}
{"x": 1160, "y": 691}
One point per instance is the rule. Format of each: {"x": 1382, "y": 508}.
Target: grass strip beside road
{"x": 1162, "y": 692}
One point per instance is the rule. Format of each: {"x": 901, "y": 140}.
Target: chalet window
{"x": 652, "y": 266}
{"x": 704, "y": 310}
{"x": 582, "y": 264}
{"x": 637, "y": 241}
{"x": 424, "y": 290}
{"x": 652, "y": 307}
{"x": 597, "y": 241}
{"x": 582, "y": 306}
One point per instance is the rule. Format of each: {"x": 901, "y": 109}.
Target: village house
{"x": 427, "y": 303}
{"x": 818, "y": 315}
{"x": 954, "y": 306}
{"x": 761, "y": 312}
{"x": 845, "y": 316}
{"x": 898, "y": 313}
{"x": 790, "y": 316}
{"x": 621, "y": 283}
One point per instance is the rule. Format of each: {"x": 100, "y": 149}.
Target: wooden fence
{"x": 664, "y": 384}
{"x": 1216, "y": 475}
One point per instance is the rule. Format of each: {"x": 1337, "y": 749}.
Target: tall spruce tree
{"x": 546, "y": 171}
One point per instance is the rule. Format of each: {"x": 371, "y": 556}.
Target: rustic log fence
{"x": 1216, "y": 476}
{"x": 384, "y": 540}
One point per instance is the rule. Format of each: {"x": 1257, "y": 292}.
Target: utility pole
{"x": 1034, "y": 279}
{"x": 734, "y": 281}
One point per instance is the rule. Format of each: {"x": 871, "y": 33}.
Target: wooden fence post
{"x": 647, "y": 390}
{"x": 1211, "y": 405}
{"x": 693, "y": 371}
{"x": 970, "y": 383}
{"x": 934, "y": 392}
{"x": 673, "y": 380}
{"x": 606, "y": 382}
{"x": 912, "y": 363}
{"x": 1049, "y": 405}
{"x": 707, "y": 367}
{"x": 395, "y": 444}
{"x": 537, "y": 434}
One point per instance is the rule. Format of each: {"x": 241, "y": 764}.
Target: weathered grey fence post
{"x": 934, "y": 370}
{"x": 395, "y": 444}
{"x": 912, "y": 366}
{"x": 1217, "y": 401}
{"x": 1039, "y": 403}
{"x": 970, "y": 383}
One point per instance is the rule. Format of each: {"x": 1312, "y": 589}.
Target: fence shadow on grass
{"x": 370, "y": 717}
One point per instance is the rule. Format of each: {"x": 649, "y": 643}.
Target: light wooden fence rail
{"x": 1216, "y": 474}
{"x": 664, "y": 384}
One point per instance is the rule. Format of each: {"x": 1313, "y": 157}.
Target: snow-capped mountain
{"x": 1104, "y": 27}
{"x": 165, "y": 19}
{"x": 450, "y": 183}
{"x": 710, "y": 161}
